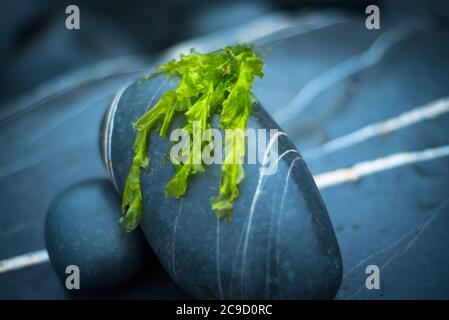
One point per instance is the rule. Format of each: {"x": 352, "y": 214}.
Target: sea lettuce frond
{"x": 214, "y": 83}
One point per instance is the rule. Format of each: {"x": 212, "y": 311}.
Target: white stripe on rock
{"x": 426, "y": 112}
{"x": 339, "y": 176}
{"x": 345, "y": 69}
{"x": 25, "y": 260}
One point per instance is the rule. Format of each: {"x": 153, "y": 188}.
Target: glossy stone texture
{"x": 280, "y": 243}
{"x": 82, "y": 229}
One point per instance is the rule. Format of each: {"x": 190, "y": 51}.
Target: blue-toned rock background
{"x": 55, "y": 86}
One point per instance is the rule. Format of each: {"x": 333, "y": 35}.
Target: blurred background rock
{"x": 36, "y": 46}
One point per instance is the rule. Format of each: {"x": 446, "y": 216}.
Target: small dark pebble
{"x": 82, "y": 229}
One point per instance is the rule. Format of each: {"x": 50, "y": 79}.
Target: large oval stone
{"x": 280, "y": 243}
{"x": 82, "y": 229}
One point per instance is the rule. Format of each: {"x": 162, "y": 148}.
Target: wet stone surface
{"x": 280, "y": 242}
{"x": 82, "y": 229}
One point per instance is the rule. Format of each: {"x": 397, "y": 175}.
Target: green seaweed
{"x": 213, "y": 83}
